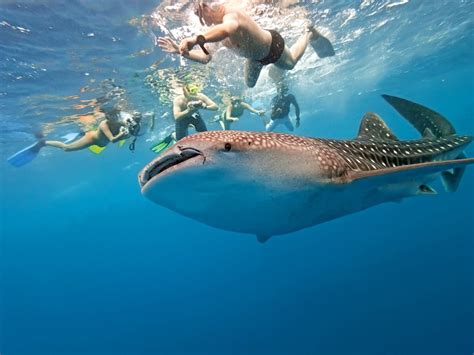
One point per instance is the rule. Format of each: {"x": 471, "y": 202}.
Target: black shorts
{"x": 276, "y": 48}
{"x": 193, "y": 120}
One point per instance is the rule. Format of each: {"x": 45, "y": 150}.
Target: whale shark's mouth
{"x": 160, "y": 165}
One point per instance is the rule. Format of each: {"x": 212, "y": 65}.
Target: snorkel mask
{"x": 192, "y": 89}
{"x": 235, "y": 100}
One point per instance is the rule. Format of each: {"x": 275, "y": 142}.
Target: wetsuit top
{"x": 281, "y": 106}
{"x": 237, "y": 110}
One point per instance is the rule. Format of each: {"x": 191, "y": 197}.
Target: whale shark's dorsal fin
{"x": 374, "y": 128}
{"x": 421, "y": 117}
{"x": 263, "y": 238}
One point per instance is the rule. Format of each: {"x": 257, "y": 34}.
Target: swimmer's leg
{"x": 277, "y": 74}
{"x": 270, "y": 126}
{"x": 199, "y": 125}
{"x": 288, "y": 124}
{"x": 291, "y": 56}
{"x": 252, "y": 72}
{"x": 181, "y": 130}
{"x": 84, "y": 142}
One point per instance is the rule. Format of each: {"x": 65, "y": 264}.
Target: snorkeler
{"x": 237, "y": 31}
{"x": 186, "y": 110}
{"x": 281, "y": 109}
{"x": 109, "y": 130}
{"x": 233, "y": 111}
{"x": 186, "y": 113}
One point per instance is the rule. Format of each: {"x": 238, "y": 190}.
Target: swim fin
{"x": 321, "y": 45}
{"x": 216, "y": 118}
{"x": 96, "y": 149}
{"x": 164, "y": 144}
{"x": 68, "y": 138}
{"x": 26, "y": 155}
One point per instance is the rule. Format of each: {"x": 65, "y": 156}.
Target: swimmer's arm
{"x": 209, "y": 104}
{"x": 251, "y": 109}
{"x": 228, "y": 114}
{"x": 180, "y": 110}
{"x": 217, "y": 33}
{"x": 152, "y": 123}
{"x": 104, "y": 127}
{"x": 220, "y": 32}
{"x": 196, "y": 55}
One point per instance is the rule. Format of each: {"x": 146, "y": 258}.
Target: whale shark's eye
{"x": 227, "y": 147}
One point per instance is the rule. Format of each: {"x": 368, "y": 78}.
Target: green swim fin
{"x": 96, "y": 149}
{"x": 164, "y": 144}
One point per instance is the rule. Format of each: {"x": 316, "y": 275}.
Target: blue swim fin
{"x": 26, "y": 155}
{"x": 68, "y": 138}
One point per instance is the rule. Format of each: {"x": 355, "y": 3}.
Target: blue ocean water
{"x": 88, "y": 265}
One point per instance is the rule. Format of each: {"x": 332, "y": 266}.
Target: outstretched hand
{"x": 168, "y": 45}
{"x": 260, "y": 113}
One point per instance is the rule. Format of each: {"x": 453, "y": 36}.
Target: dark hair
{"x": 114, "y": 125}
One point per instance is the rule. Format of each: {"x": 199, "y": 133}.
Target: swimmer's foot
{"x": 321, "y": 45}
{"x": 314, "y": 34}
{"x": 216, "y": 118}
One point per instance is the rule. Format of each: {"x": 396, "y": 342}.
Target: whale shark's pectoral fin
{"x": 372, "y": 127}
{"x": 452, "y": 179}
{"x": 263, "y": 238}
{"x": 407, "y": 172}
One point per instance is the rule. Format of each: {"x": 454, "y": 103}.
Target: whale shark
{"x": 269, "y": 184}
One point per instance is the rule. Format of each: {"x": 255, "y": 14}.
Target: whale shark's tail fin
{"x": 430, "y": 124}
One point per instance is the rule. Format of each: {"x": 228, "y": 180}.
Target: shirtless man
{"x": 237, "y": 31}
{"x": 186, "y": 111}
{"x": 234, "y": 110}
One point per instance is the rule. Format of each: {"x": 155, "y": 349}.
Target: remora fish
{"x": 269, "y": 184}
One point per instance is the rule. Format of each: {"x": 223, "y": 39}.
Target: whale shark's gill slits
{"x": 371, "y": 154}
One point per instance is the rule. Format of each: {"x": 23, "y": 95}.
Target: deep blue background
{"x": 89, "y": 266}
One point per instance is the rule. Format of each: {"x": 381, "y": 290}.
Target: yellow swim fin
{"x": 122, "y": 142}
{"x": 96, "y": 149}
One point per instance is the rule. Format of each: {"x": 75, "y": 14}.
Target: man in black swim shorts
{"x": 237, "y": 31}
{"x": 186, "y": 111}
